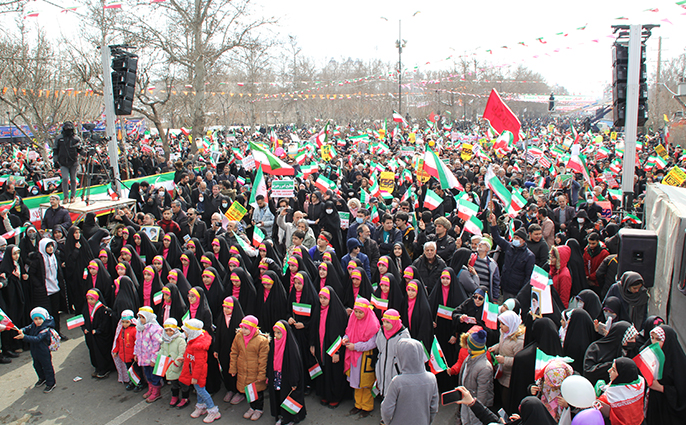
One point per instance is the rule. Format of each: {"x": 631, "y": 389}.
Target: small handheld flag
{"x": 315, "y": 371}
{"x": 335, "y": 346}
{"x": 291, "y": 406}
{"x": 251, "y": 392}
{"x": 650, "y": 362}
{"x": 302, "y": 309}
{"x": 161, "y": 365}
{"x": 134, "y": 376}
{"x": 75, "y": 322}
{"x": 157, "y": 298}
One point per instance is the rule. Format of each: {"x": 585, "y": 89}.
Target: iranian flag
{"x": 542, "y": 360}
{"x": 436, "y": 168}
{"x": 9, "y": 206}
{"x": 186, "y": 316}
{"x": 15, "y": 232}
{"x": 251, "y": 392}
{"x": 324, "y": 184}
{"x": 269, "y": 163}
{"x": 161, "y": 365}
{"x": 259, "y": 188}
{"x": 445, "y": 312}
{"x": 466, "y": 209}
{"x": 335, "y": 346}
{"x": 497, "y": 187}
{"x": 157, "y": 299}
{"x": 309, "y": 169}
{"x": 660, "y": 162}
{"x": 375, "y": 215}
{"x": 432, "y": 200}
{"x": 302, "y": 309}
{"x": 437, "y": 360}
{"x": 291, "y": 406}
{"x": 490, "y": 314}
{"x": 379, "y": 303}
{"x": 321, "y": 137}
{"x": 399, "y": 118}
{"x": 616, "y": 166}
{"x": 315, "y": 371}
{"x": 577, "y": 162}
{"x": 615, "y": 194}
{"x": 539, "y": 278}
{"x": 504, "y": 144}
{"x": 631, "y": 218}
{"x": 301, "y": 157}
{"x": 75, "y": 322}
{"x": 474, "y": 226}
{"x": 518, "y": 202}
{"x": 257, "y": 237}
{"x": 651, "y": 362}
{"x": 5, "y": 320}
{"x": 134, "y": 376}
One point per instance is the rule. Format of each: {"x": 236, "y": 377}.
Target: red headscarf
{"x": 250, "y": 323}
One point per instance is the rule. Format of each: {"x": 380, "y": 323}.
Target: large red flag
{"x": 501, "y": 116}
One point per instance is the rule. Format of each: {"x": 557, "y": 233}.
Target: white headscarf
{"x": 511, "y": 320}
{"x": 49, "y": 259}
{"x": 193, "y": 328}
{"x": 149, "y": 316}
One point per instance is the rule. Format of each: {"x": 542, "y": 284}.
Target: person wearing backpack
{"x": 42, "y": 340}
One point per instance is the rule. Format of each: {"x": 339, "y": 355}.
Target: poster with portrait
{"x": 153, "y": 232}
{"x": 536, "y": 297}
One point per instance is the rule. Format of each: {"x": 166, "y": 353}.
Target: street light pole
{"x": 400, "y": 44}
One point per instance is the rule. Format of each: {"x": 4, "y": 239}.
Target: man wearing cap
{"x": 518, "y": 263}
{"x": 487, "y": 269}
{"x": 355, "y": 254}
{"x": 55, "y": 215}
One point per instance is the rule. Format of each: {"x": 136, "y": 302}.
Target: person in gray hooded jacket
{"x": 412, "y": 396}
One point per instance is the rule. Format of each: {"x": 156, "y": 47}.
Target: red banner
{"x": 501, "y": 116}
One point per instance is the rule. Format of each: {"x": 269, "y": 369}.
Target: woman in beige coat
{"x": 249, "y": 354}
{"x": 511, "y": 342}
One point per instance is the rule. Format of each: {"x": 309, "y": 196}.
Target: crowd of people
{"x": 352, "y": 292}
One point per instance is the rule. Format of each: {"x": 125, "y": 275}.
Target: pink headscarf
{"x": 323, "y": 314}
{"x": 193, "y": 308}
{"x": 360, "y": 330}
{"x": 411, "y": 302}
{"x": 279, "y": 346}
{"x": 250, "y": 323}
{"x": 392, "y": 316}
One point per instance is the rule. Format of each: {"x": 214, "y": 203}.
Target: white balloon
{"x": 578, "y": 391}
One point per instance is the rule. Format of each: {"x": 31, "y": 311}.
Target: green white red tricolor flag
{"x": 437, "y": 361}
{"x": 161, "y": 365}
{"x": 257, "y": 237}
{"x": 445, "y": 312}
{"x": 315, "y": 371}
{"x": 490, "y": 314}
{"x": 432, "y": 200}
{"x": 157, "y": 299}
{"x": 497, "y": 187}
{"x": 324, "y": 184}
{"x": 542, "y": 360}
{"x": 650, "y": 362}
{"x": 270, "y": 163}
{"x": 259, "y": 188}
{"x": 75, "y": 322}
{"x": 134, "y": 376}
{"x": 539, "y": 278}
{"x": 5, "y": 320}
{"x": 251, "y": 392}
{"x": 436, "y": 168}
{"x": 15, "y": 232}
{"x": 302, "y": 309}
{"x": 333, "y": 349}
{"x": 291, "y": 406}
{"x": 466, "y": 209}
{"x": 474, "y": 226}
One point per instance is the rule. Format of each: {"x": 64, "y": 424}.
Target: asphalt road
{"x": 92, "y": 401}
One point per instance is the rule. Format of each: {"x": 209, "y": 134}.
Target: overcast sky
{"x": 367, "y": 29}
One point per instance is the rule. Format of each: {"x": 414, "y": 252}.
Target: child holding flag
{"x": 285, "y": 372}
{"x": 249, "y": 357}
{"x": 173, "y": 346}
{"x": 195, "y": 369}
{"x": 148, "y": 340}
{"x": 37, "y": 335}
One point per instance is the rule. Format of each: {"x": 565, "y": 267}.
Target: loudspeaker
{"x": 638, "y": 253}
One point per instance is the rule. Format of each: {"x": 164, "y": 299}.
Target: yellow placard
{"x": 660, "y": 150}
{"x": 412, "y": 137}
{"x": 387, "y": 181}
{"x": 675, "y": 177}
{"x": 613, "y": 135}
{"x": 235, "y": 212}
{"x": 466, "y": 151}
{"x": 422, "y": 175}
{"x": 326, "y": 152}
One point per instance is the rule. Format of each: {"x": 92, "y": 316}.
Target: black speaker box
{"x": 638, "y": 253}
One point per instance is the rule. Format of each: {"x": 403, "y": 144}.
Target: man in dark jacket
{"x": 518, "y": 262}
{"x": 538, "y": 246}
{"x": 445, "y": 244}
{"x": 594, "y": 254}
{"x": 369, "y": 247}
{"x": 564, "y": 214}
{"x": 430, "y": 266}
{"x": 55, "y": 215}
{"x": 66, "y": 155}
{"x": 387, "y": 235}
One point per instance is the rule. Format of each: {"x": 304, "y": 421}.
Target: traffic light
{"x": 124, "y": 67}
{"x": 620, "y": 75}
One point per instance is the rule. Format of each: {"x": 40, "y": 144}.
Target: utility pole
{"x": 658, "y": 80}
{"x": 400, "y": 44}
